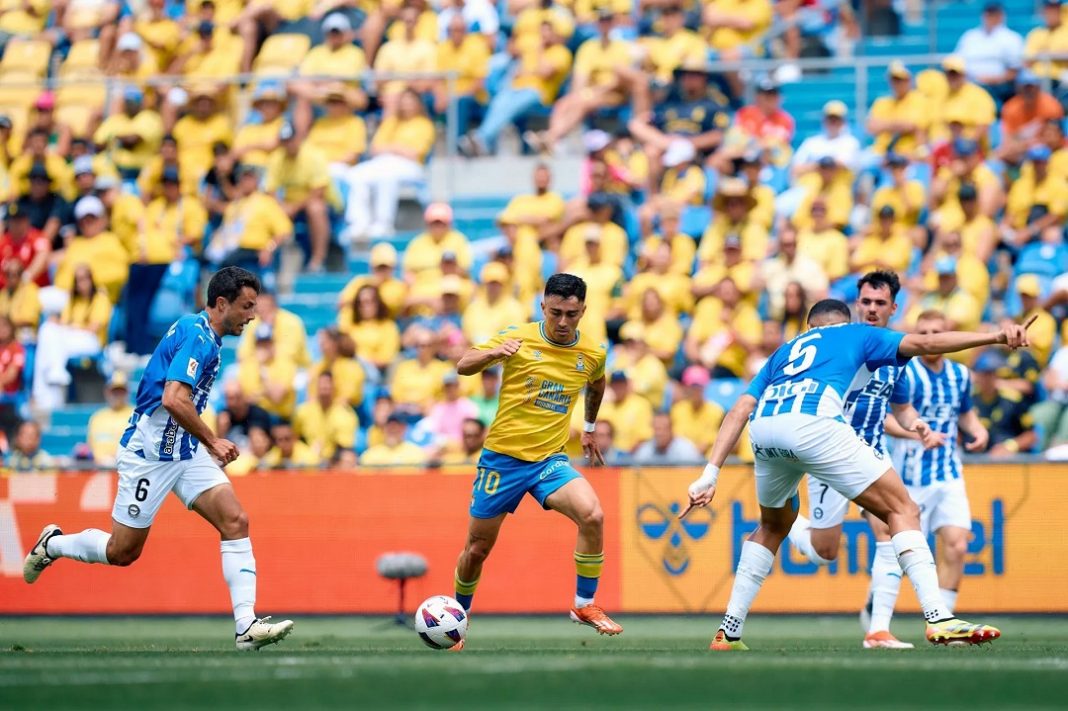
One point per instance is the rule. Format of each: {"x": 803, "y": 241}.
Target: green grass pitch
{"x": 517, "y": 662}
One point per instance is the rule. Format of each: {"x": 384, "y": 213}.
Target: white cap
{"x": 678, "y": 152}
{"x": 129, "y": 41}
{"x": 595, "y": 140}
{"x": 89, "y": 205}
{"x": 336, "y": 21}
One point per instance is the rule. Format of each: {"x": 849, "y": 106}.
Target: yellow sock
{"x": 465, "y": 591}
{"x": 588, "y": 569}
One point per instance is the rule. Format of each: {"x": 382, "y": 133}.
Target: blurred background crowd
{"x": 731, "y": 169}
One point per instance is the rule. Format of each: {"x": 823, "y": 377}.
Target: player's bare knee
{"x": 592, "y": 518}
{"x": 826, "y": 549}
{"x": 955, "y": 549}
{"x": 477, "y": 550}
{"x": 123, "y": 557}
{"x": 234, "y": 526}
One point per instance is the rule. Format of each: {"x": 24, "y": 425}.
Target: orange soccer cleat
{"x": 720, "y": 643}
{"x": 596, "y": 618}
{"x": 884, "y": 640}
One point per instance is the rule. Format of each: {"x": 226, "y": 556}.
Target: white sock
{"x": 239, "y": 571}
{"x": 801, "y": 538}
{"x": 885, "y": 583}
{"x": 89, "y": 546}
{"x": 753, "y": 567}
{"x": 914, "y": 556}
{"x": 582, "y": 601}
{"x": 949, "y": 597}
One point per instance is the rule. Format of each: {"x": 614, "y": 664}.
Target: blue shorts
{"x": 501, "y": 482}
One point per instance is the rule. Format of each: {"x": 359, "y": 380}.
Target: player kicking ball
{"x": 547, "y": 364}
{"x": 168, "y": 447}
{"x": 866, "y": 408}
{"x": 798, "y": 425}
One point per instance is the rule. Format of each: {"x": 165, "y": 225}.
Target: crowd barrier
{"x": 317, "y": 535}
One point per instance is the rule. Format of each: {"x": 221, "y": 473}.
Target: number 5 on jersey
{"x": 802, "y": 354}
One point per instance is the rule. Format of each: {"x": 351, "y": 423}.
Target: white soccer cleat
{"x": 37, "y": 559}
{"x": 262, "y": 632}
{"x": 884, "y": 640}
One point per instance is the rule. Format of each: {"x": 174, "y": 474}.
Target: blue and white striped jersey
{"x": 813, "y": 373}
{"x": 188, "y": 353}
{"x": 940, "y": 398}
{"x": 867, "y": 407}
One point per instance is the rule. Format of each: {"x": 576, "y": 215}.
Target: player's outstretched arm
{"x": 475, "y": 360}
{"x": 702, "y": 490}
{"x": 914, "y": 344}
{"x": 178, "y": 402}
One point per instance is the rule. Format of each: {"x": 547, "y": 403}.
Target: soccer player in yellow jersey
{"x": 547, "y": 364}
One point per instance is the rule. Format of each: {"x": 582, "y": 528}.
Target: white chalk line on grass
{"x": 292, "y": 668}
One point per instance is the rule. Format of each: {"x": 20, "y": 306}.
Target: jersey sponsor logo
{"x": 537, "y": 354}
{"x": 658, "y": 523}
{"x": 940, "y": 413}
{"x": 191, "y": 368}
{"x": 580, "y": 363}
{"x": 791, "y": 389}
{"x": 552, "y": 397}
{"x": 765, "y": 453}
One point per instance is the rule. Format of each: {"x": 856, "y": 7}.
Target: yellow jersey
{"x": 539, "y": 388}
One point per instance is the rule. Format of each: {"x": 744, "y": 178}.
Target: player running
{"x": 941, "y": 390}
{"x": 798, "y": 425}
{"x": 547, "y": 364}
{"x": 168, "y": 447}
{"x": 866, "y": 410}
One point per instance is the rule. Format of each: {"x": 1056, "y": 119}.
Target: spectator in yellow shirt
{"x": 493, "y": 309}
{"x": 267, "y": 378}
{"x": 604, "y": 283}
{"x": 971, "y": 271}
{"x": 260, "y": 18}
{"x": 36, "y": 153}
{"x": 339, "y": 135}
{"x": 416, "y": 382}
{"x": 210, "y": 50}
{"x": 394, "y": 450}
{"x": 383, "y": 262}
{"x": 468, "y": 56}
{"x": 965, "y": 99}
{"x": 645, "y": 372}
{"x": 725, "y": 330}
{"x": 962, "y": 311}
{"x": 371, "y": 327}
{"x": 1043, "y": 332}
{"x": 253, "y": 227}
{"x": 289, "y": 452}
{"x": 831, "y": 184}
{"x": 422, "y": 257}
{"x": 736, "y": 27}
{"x": 603, "y": 77}
{"x": 334, "y": 61}
{"x": 199, "y": 130}
{"x": 255, "y": 142}
{"x": 286, "y": 329}
{"x": 824, "y": 244}
{"x": 131, "y": 137}
{"x": 399, "y": 151}
{"x": 297, "y": 174}
{"x": 905, "y": 197}
{"x": 673, "y": 288}
{"x": 107, "y": 424}
{"x": 732, "y": 209}
{"x": 328, "y": 424}
{"x": 1037, "y": 201}
{"x": 631, "y": 414}
{"x": 885, "y": 246}
{"x": 598, "y": 217}
{"x": 160, "y": 34}
{"x": 1051, "y": 38}
{"x": 95, "y": 246}
{"x": 966, "y": 168}
{"x": 130, "y": 63}
{"x": 20, "y": 300}
{"x": 899, "y": 122}
{"x": 673, "y": 45}
{"x": 692, "y": 416}
{"x": 743, "y": 273}
{"x": 406, "y": 53}
{"x": 338, "y": 359}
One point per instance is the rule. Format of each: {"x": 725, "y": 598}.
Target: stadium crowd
{"x": 703, "y": 227}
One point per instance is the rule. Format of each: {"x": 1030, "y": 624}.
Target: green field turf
{"x": 544, "y": 662}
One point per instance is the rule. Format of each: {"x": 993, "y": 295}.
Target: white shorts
{"x": 942, "y": 504}
{"x": 826, "y": 507}
{"x": 787, "y": 446}
{"x": 144, "y": 484}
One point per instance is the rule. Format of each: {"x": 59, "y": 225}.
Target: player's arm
{"x": 905, "y": 423}
{"x": 915, "y": 344}
{"x": 475, "y": 360}
{"x": 594, "y": 395}
{"x": 178, "y": 402}
{"x": 702, "y": 490}
{"x": 971, "y": 426}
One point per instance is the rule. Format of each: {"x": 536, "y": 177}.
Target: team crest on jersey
{"x": 191, "y": 369}
{"x": 133, "y": 510}
{"x": 580, "y": 364}
{"x": 537, "y": 354}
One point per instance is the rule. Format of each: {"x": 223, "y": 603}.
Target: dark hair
{"x": 381, "y": 311}
{"x": 74, "y": 280}
{"x": 786, "y": 315}
{"x": 880, "y": 278}
{"x": 829, "y": 306}
{"x": 228, "y": 283}
{"x": 565, "y": 286}
{"x": 480, "y": 423}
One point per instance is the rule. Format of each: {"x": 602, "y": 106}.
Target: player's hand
{"x": 591, "y": 450}
{"x": 508, "y": 348}
{"x": 980, "y": 438}
{"x": 928, "y": 437}
{"x": 699, "y": 498}
{"x": 1014, "y": 335}
{"x": 223, "y": 450}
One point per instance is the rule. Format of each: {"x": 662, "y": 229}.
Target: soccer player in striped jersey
{"x": 941, "y": 391}
{"x": 867, "y": 408}
{"x": 798, "y": 426}
{"x": 167, "y": 447}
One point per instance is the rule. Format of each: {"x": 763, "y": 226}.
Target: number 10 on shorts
{"x": 487, "y": 482}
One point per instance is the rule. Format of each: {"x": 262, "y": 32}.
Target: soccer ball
{"x": 441, "y": 622}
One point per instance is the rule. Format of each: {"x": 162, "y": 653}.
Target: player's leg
{"x": 885, "y": 585}
{"x": 819, "y": 538}
{"x": 206, "y": 490}
{"x": 887, "y": 499}
{"x": 951, "y": 519}
{"x": 564, "y": 490}
{"x": 481, "y": 536}
{"x": 142, "y": 487}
